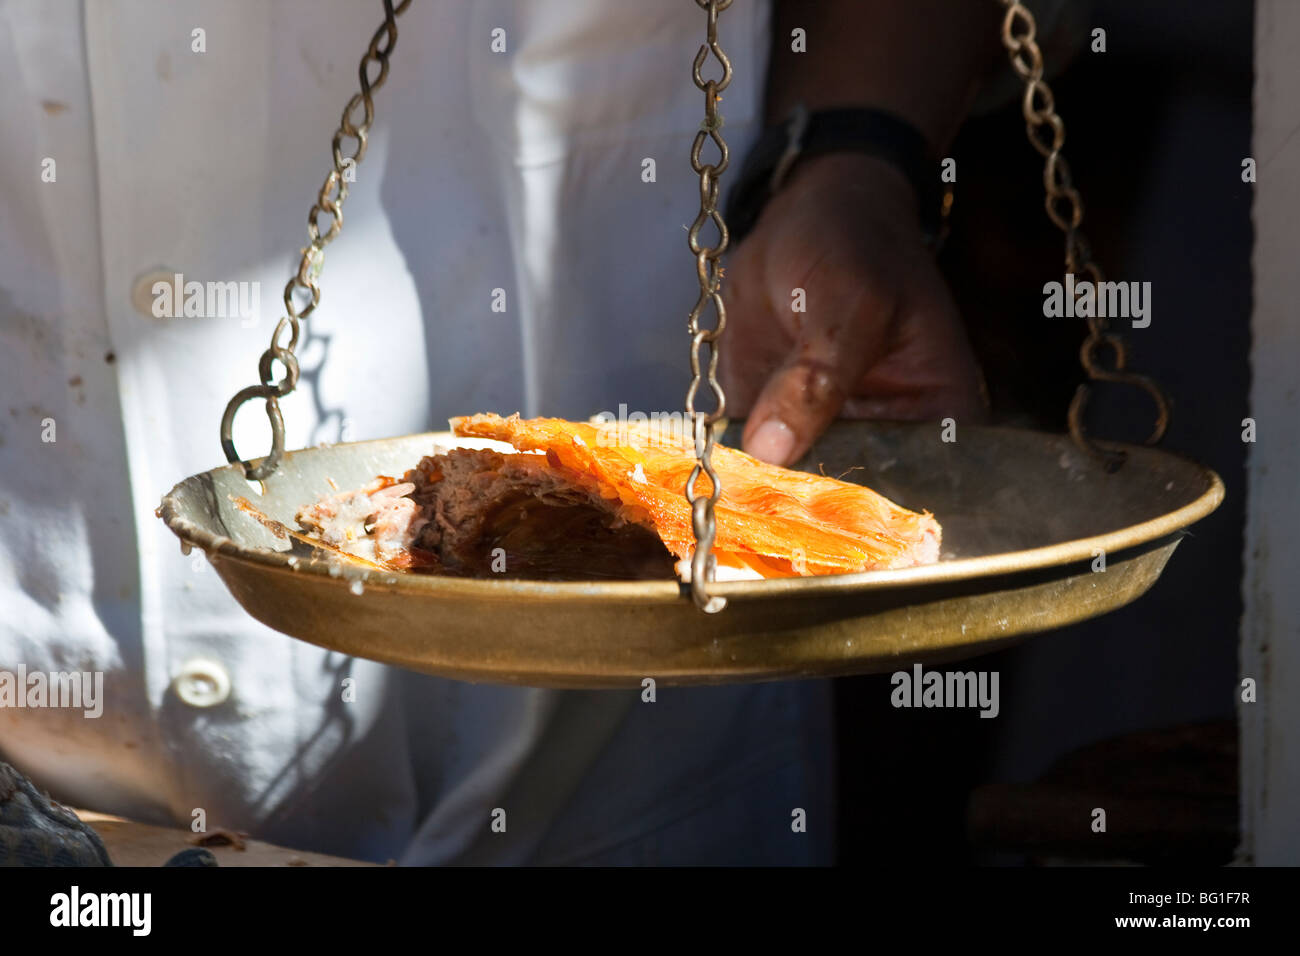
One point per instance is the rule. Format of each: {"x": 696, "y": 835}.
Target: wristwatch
{"x": 873, "y": 132}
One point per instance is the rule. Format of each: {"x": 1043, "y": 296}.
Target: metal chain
{"x": 709, "y": 273}
{"x": 1064, "y": 206}
{"x": 330, "y": 200}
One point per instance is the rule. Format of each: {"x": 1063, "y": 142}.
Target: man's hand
{"x": 881, "y": 337}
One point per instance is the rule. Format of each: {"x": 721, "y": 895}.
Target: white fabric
{"x": 519, "y": 171}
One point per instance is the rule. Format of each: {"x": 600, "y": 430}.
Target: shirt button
{"x": 143, "y": 296}
{"x": 202, "y": 683}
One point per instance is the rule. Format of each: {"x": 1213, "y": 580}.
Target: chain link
{"x": 302, "y": 294}
{"x": 709, "y": 274}
{"x": 1064, "y": 206}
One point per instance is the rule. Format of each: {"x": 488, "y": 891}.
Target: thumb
{"x": 806, "y": 393}
{"x": 797, "y": 403}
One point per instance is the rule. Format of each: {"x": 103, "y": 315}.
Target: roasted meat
{"x": 569, "y": 500}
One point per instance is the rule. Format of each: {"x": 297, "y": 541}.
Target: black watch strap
{"x": 869, "y": 131}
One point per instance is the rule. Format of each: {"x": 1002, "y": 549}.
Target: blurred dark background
{"x": 1157, "y": 127}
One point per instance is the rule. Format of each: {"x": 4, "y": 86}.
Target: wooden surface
{"x": 137, "y": 844}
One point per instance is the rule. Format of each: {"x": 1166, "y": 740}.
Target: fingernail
{"x": 773, "y": 442}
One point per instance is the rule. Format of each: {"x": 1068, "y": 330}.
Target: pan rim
{"x": 959, "y": 569}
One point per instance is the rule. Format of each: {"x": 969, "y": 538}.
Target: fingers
{"x": 755, "y": 344}
{"x": 868, "y": 354}
{"x": 797, "y": 403}
{"x": 930, "y": 371}
{"x": 829, "y": 357}
{"x": 834, "y": 308}
{"x": 933, "y": 405}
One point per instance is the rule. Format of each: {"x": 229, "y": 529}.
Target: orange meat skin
{"x": 779, "y": 521}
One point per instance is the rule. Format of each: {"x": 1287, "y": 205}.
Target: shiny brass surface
{"x": 1024, "y": 516}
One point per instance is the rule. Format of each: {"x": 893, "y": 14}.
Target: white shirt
{"x": 519, "y": 171}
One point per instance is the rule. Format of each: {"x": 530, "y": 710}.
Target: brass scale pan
{"x": 1025, "y": 515}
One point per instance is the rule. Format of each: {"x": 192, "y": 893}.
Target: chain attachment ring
{"x": 272, "y": 460}
{"x": 329, "y": 200}
{"x": 1064, "y": 206}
